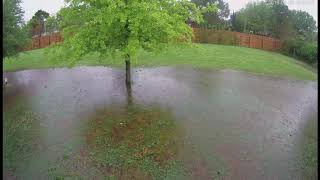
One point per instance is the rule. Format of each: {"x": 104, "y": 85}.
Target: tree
{"x": 273, "y": 18}
{"x": 255, "y": 17}
{"x": 280, "y": 18}
{"x": 217, "y": 18}
{"x": 303, "y": 24}
{"x": 37, "y": 22}
{"x": 123, "y": 26}
{"x": 235, "y": 24}
{"x": 52, "y": 24}
{"x": 14, "y": 36}
{"x": 269, "y": 18}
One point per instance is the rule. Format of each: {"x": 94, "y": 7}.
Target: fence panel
{"x": 236, "y": 38}
{"x": 44, "y": 41}
{"x": 200, "y": 35}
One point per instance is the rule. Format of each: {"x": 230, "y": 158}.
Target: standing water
{"x": 180, "y": 123}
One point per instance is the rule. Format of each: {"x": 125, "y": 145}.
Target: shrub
{"x": 305, "y": 51}
{"x": 309, "y": 51}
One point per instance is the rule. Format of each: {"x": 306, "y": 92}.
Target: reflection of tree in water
{"x": 119, "y": 85}
{"x": 129, "y": 94}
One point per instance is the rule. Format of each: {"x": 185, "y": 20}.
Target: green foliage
{"x": 36, "y": 24}
{"x": 304, "y": 25}
{"x": 123, "y": 27}
{"x": 266, "y": 18}
{"x": 52, "y": 24}
{"x": 216, "y": 19}
{"x": 302, "y": 50}
{"x": 14, "y": 34}
{"x": 273, "y": 18}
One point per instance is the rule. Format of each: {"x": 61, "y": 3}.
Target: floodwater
{"x": 237, "y": 125}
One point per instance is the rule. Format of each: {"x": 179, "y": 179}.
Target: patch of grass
{"x": 20, "y": 135}
{"x": 201, "y": 55}
{"x": 309, "y": 156}
{"x": 136, "y": 144}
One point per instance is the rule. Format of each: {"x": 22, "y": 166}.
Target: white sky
{"x": 30, "y": 7}
{"x": 52, "y": 6}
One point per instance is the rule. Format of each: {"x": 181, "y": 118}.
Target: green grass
{"x": 309, "y": 158}
{"x": 136, "y": 144}
{"x": 20, "y": 134}
{"x": 202, "y": 56}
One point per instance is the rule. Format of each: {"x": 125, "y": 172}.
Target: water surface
{"x": 236, "y": 125}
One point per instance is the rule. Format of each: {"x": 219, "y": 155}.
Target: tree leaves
{"x": 14, "y": 32}
{"x": 107, "y": 26}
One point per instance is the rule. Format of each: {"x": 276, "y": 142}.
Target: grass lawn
{"x": 201, "y": 55}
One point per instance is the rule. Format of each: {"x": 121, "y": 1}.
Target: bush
{"x": 309, "y": 51}
{"x": 305, "y": 51}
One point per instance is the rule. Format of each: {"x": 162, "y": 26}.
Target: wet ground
{"x": 233, "y": 125}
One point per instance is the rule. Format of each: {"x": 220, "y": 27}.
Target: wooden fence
{"x": 200, "y": 36}
{"x": 236, "y": 38}
{"x": 44, "y": 41}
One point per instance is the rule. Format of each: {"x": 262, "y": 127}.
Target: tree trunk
{"x": 128, "y": 71}
{"x": 128, "y": 81}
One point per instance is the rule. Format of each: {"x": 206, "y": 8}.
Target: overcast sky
{"x": 52, "y": 6}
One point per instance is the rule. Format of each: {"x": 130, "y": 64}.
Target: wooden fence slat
{"x": 200, "y": 35}
{"x": 44, "y": 41}
{"x": 236, "y": 38}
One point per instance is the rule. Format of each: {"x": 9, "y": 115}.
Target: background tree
{"x": 273, "y": 18}
{"x": 216, "y": 19}
{"x": 235, "y": 26}
{"x": 256, "y": 17}
{"x": 303, "y": 24}
{"x": 122, "y": 27}
{"x": 52, "y": 24}
{"x": 14, "y": 36}
{"x": 37, "y": 23}
{"x": 279, "y": 18}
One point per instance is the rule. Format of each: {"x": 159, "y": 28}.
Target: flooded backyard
{"x": 176, "y": 123}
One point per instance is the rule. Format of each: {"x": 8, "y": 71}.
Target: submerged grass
{"x": 20, "y": 135}
{"x": 201, "y": 55}
{"x": 136, "y": 144}
{"x": 309, "y": 157}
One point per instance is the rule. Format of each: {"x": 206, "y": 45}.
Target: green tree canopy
{"x": 52, "y": 24}
{"x": 273, "y": 18}
{"x": 37, "y": 23}
{"x": 303, "y": 24}
{"x": 217, "y": 18}
{"x": 123, "y": 26}
{"x": 266, "y": 18}
{"x": 14, "y": 35}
